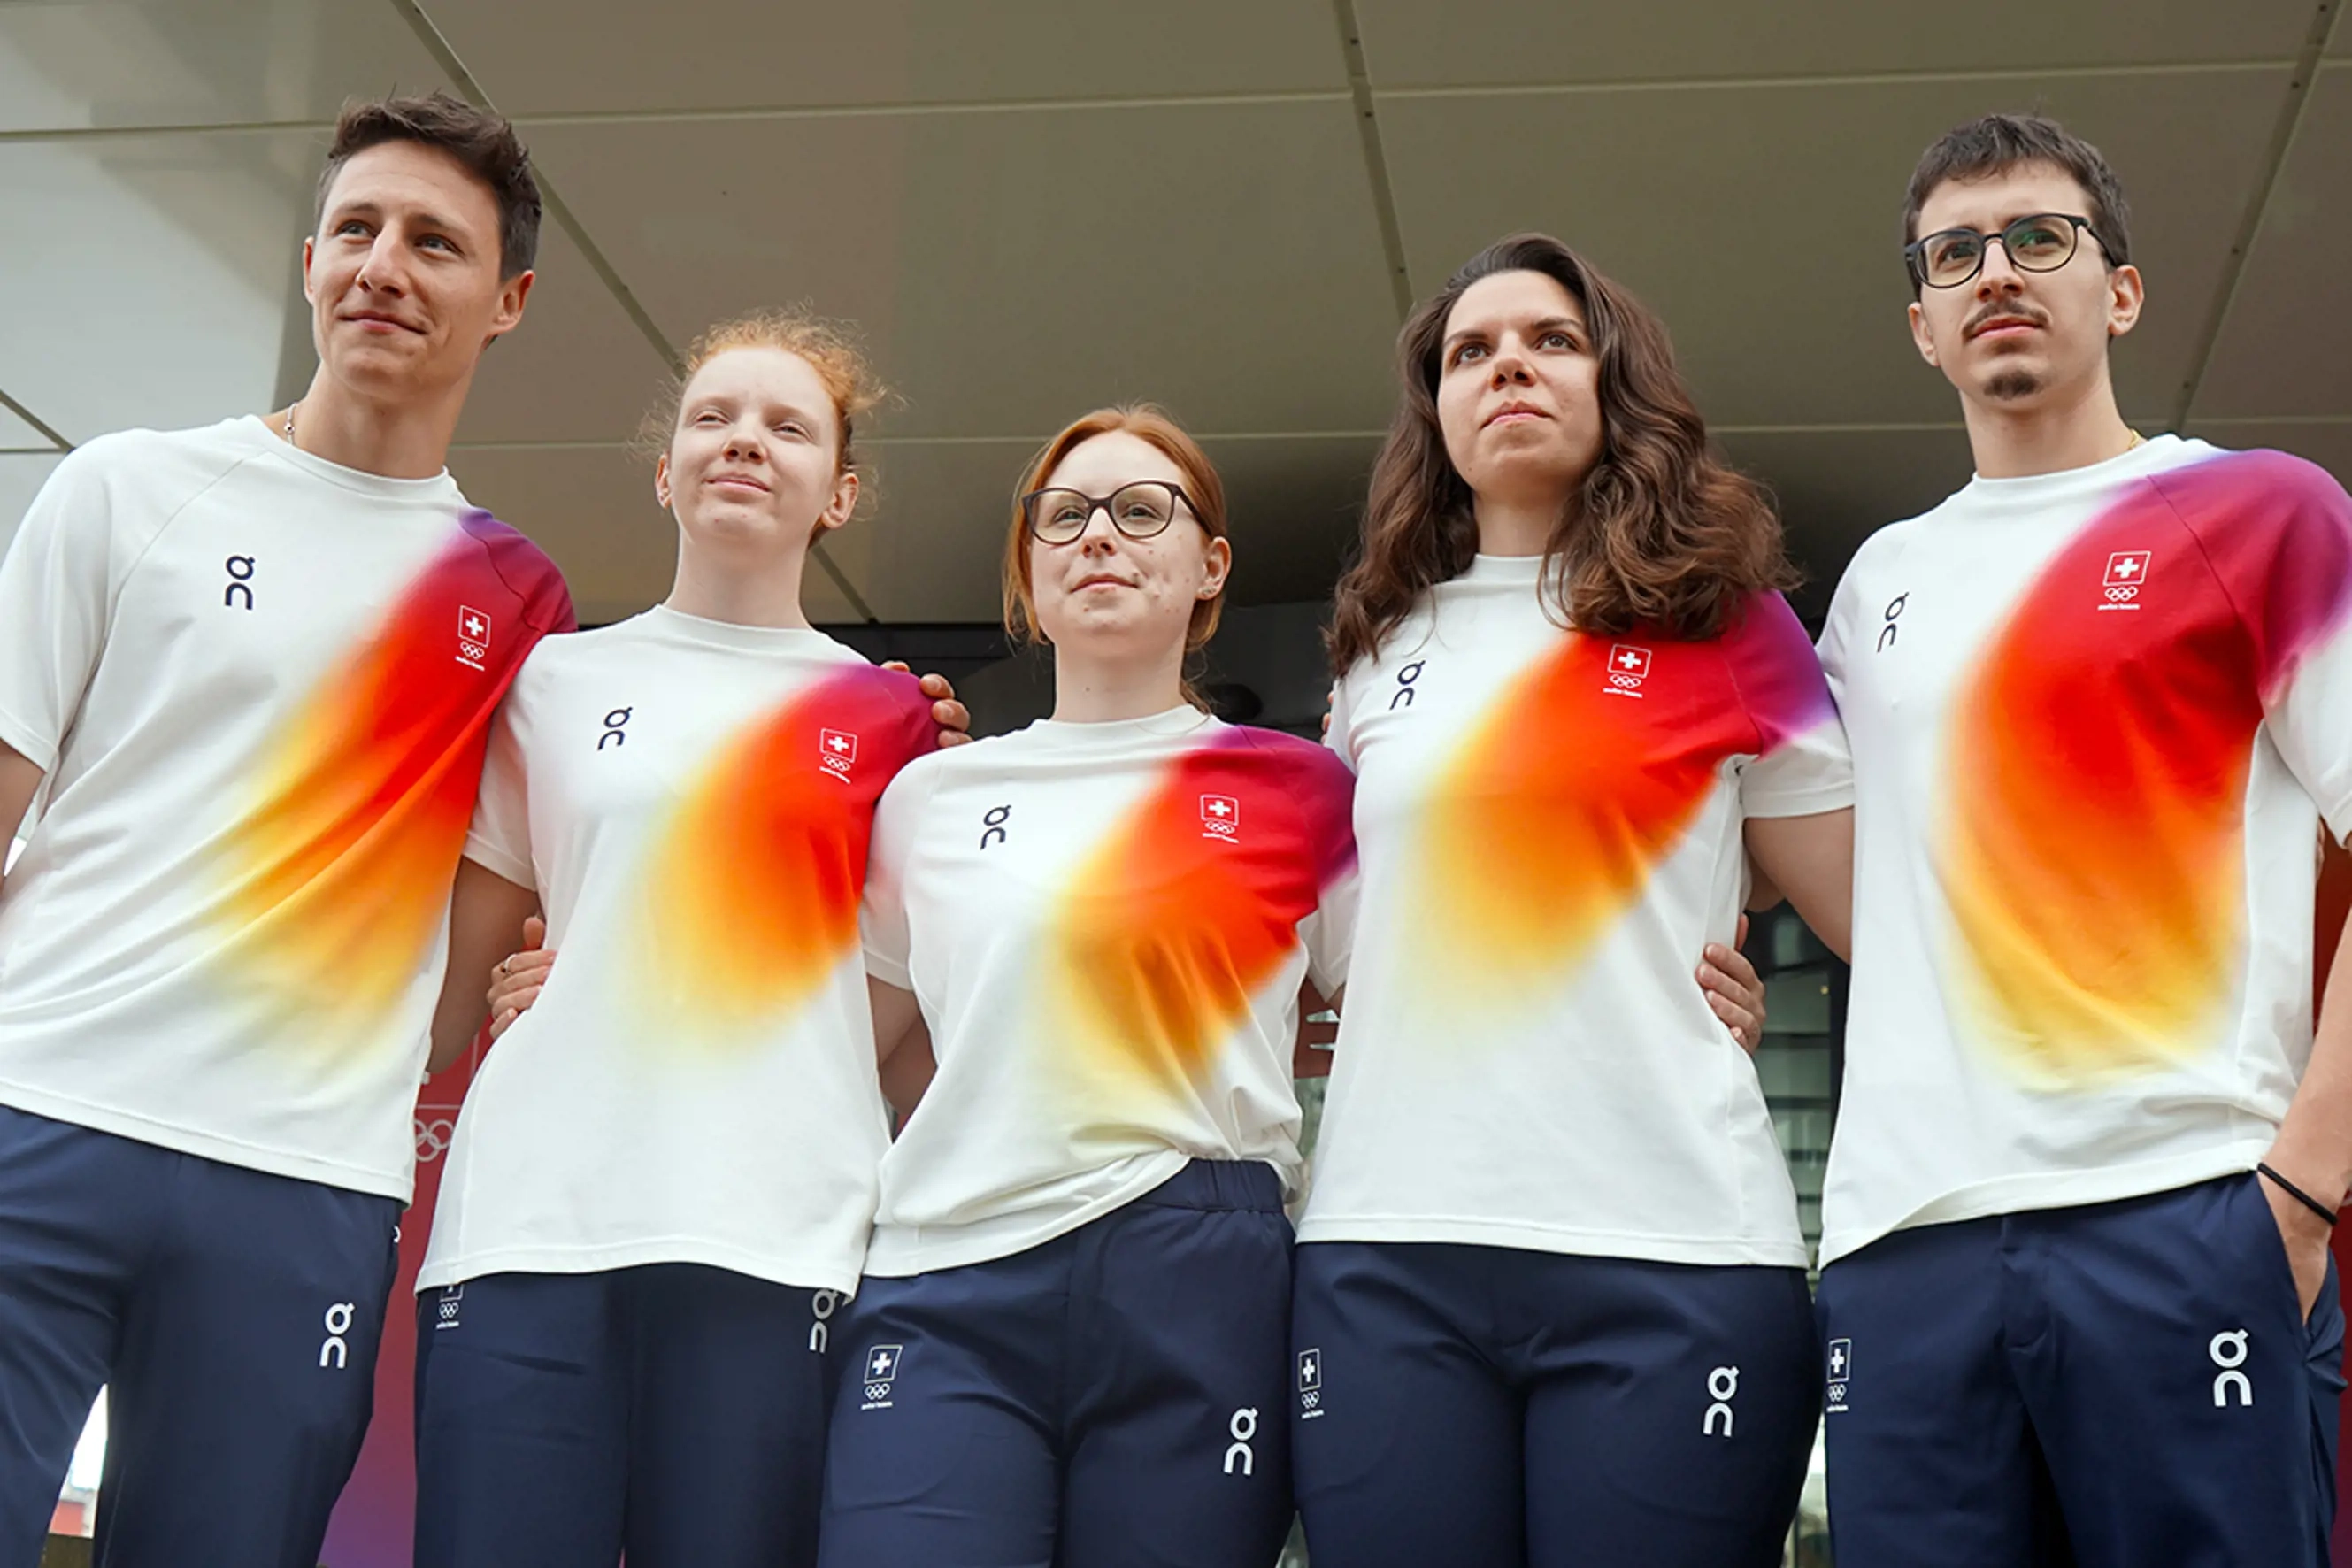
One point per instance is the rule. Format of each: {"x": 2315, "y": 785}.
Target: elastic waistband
{"x": 1220, "y": 1184}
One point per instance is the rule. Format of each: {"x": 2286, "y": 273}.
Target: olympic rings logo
{"x": 1625, "y": 681}
{"x": 2121, "y": 595}
{"x": 433, "y": 1137}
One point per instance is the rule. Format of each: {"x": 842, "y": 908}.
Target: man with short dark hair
{"x": 2076, "y": 1296}
{"x": 248, "y": 670}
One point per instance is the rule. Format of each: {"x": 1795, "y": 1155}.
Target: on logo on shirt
{"x": 1628, "y": 667}
{"x": 1220, "y": 818}
{"x": 2127, "y": 570}
{"x": 473, "y": 636}
{"x": 837, "y": 750}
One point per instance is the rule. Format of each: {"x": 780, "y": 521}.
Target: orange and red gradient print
{"x": 1193, "y": 903}
{"x": 754, "y": 885}
{"x": 2092, "y": 849}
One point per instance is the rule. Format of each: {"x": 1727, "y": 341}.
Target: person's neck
{"x": 398, "y": 440}
{"x": 743, "y": 591}
{"x": 1091, "y": 688}
{"x": 2070, "y": 428}
{"x": 1517, "y": 525}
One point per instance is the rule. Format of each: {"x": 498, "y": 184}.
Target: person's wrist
{"x": 2301, "y": 1200}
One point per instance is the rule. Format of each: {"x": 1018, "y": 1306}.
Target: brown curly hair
{"x": 1663, "y": 533}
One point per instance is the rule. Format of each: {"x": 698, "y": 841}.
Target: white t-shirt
{"x": 261, "y": 685}
{"x": 1550, "y": 830}
{"x": 2096, "y": 718}
{"x": 695, "y": 1083}
{"x": 1106, "y": 925}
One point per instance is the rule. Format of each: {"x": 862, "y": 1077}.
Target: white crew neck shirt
{"x": 261, "y": 685}
{"x": 2097, "y": 717}
{"x": 695, "y": 1083}
{"x": 1106, "y": 926}
{"x": 1551, "y": 826}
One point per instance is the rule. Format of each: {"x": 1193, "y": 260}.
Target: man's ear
{"x": 1921, "y": 338}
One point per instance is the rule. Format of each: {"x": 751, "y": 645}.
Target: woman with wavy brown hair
{"x": 1552, "y": 1305}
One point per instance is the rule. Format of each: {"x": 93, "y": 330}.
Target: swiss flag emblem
{"x": 2128, "y": 568}
{"x": 837, "y": 750}
{"x": 1221, "y": 815}
{"x": 1630, "y": 662}
{"x": 473, "y": 636}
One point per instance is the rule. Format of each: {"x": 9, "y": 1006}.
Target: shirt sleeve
{"x": 882, "y": 914}
{"x": 1326, "y": 790}
{"x": 1802, "y": 766}
{"x": 1337, "y": 736}
{"x": 1329, "y": 933}
{"x": 57, "y": 585}
{"x": 2300, "y": 620}
{"x": 500, "y": 838}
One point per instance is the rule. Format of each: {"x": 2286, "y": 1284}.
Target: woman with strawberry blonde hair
{"x": 660, "y": 1186}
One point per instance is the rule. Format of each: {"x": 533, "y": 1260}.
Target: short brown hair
{"x": 1666, "y": 534}
{"x": 1147, "y": 422}
{"x": 479, "y": 138}
{"x": 828, "y": 347}
{"x": 1995, "y": 144}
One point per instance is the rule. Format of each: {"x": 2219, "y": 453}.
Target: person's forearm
{"x": 2313, "y": 1149}
{"x": 486, "y": 916}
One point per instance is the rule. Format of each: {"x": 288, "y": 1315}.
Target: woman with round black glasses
{"x": 1073, "y": 1329}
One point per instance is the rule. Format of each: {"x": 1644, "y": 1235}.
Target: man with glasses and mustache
{"x": 2077, "y": 1301}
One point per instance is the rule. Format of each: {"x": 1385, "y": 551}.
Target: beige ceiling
{"x": 1032, "y": 207}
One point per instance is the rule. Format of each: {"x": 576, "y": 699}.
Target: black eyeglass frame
{"x": 1103, "y": 503}
{"x": 1915, "y": 254}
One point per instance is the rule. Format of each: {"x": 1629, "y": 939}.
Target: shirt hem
{"x": 19, "y": 737}
{"x": 891, "y": 1257}
{"x": 800, "y": 1272}
{"x": 2044, "y": 1189}
{"x": 1799, "y": 802}
{"x": 207, "y": 1146}
{"x": 498, "y": 863}
{"x": 1703, "y": 1250}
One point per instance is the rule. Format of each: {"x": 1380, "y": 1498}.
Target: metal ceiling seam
{"x": 49, "y": 431}
{"x": 2283, "y": 134}
{"x": 429, "y": 34}
{"x": 1921, "y": 78}
{"x": 1376, "y": 162}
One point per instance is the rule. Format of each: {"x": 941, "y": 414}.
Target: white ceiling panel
{"x": 2327, "y": 443}
{"x": 162, "y": 266}
{"x": 21, "y": 474}
{"x": 1763, "y": 222}
{"x": 1011, "y": 270}
{"x": 535, "y": 57}
{"x": 576, "y": 370}
{"x": 2281, "y": 350}
{"x": 1411, "y": 43}
{"x": 112, "y": 63}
